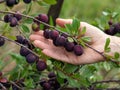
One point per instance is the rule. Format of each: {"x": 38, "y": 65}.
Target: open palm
{"x": 59, "y": 53}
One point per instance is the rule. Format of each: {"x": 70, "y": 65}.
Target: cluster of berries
{"x": 114, "y": 28}
{"x": 19, "y": 83}
{"x": 51, "y": 83}
{"x": 61, "y": 39}
{"x": 36, "y": 24}
{"x": 13, "y": 19}
{"x": 7, "y": 84}
{"x": 11, "y": 3}
{"x": 30, "y": 57}
{"x": 2, "y": 41}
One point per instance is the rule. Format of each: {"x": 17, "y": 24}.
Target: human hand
{"x": 89, "y": 56}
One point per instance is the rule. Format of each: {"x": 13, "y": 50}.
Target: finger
{"x": 36, "y": 37}
{"x": 39, "y": 32}
{"x": 40, "y": 44}
{"x": 62, "y": 22}
{"x": 56, "y": 54}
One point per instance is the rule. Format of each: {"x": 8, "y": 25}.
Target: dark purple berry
{"x": 53, "y": 34}
{"x": 15, "y": 87}
{"x": 41, "y": 65}
{"x": 35, "y": 27}
{"x": 2, "y": 41}
{"x": 55, "y": 43}
{"x": 60, "y": 41}
{"x": 51, "y": 75}
{"x": 111, "y": 31}
{"x": 56, "y": 85}
{"x": 13, "y": 22}
{"x": 7, "y": 18}
{"x": 78, "y": 50}
{"x": 31, "y": 58}
{"x": 27, "y": 1}
{"x": 24, "y": 51}
{"x": 10, "y": 2}
{"x": 42, "y": 81}
{"x": 46, "y": 33}
{"x": 18, "y": 16}
{"x": 117, "y": 27}
{"x": 46, "y": 86}
{"x": 110, "y": 22}
{"x": 43, "y": 18}
{"x": 19, "y": 39}
{"x": 69, "y": 46}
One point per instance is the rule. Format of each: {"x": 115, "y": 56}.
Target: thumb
{"x": 61, "y": 22}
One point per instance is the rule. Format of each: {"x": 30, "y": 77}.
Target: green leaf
{"x": 50, "y": 1}
{"x": 83, "y": 31}
{"x": 106, "y": 47}
{"x": 25, "y": 28}
{"x": 28, "y": 9}
{"x": 75, "y": 24}
{"x": 68, "y": 28}
{"x": 105, "y": 13}
{"x": 51, "y": 21}
{"x": 86, "y": 39}
{"x": 29, "y": 83}
{"x": 73, "y": 82}
{"x": 61, "y": 74}
{"x": 116, "y": 55}
{"x": 42, "y": 3}
{"x": 69, "y": 68}
{"x": 28, "y": 21}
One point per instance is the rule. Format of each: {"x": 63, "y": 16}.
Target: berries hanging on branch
{"x": 13, "y": 19}
{"x": 113, "y": 29}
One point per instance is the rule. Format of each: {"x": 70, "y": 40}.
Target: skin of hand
{"x": 98, "y": 38}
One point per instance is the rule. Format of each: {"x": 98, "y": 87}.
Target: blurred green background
{"x": 88, "y": 10}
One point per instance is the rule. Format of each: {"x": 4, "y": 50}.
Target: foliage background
{"x": 85, "y": 10}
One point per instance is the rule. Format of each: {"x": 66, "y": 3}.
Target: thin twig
{"x": 16, "y": 85}
{"x": 19, "y": 45}
{"x": 3, "y": 86}
{"x": 106, "y": 81}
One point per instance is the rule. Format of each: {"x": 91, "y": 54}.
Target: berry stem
{"x": 3, "y": 87}
{"x": 16, "y": 85}
{"x": 19, "y": 45}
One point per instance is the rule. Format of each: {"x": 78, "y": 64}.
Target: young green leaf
{"x": 75, "y": 24}
{"x": 83, "y": 31}
{"x": 86, "y": 39}
{"x": 69, "y": 68}
{"x": 116, "y": 55}
{"x": 106, "y": 47}
{"x": 25, "y": 28}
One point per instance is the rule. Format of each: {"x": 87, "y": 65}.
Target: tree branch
{"x": 54, "y": 10}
